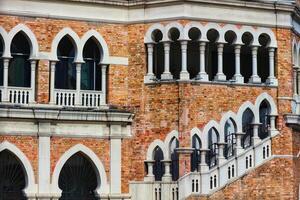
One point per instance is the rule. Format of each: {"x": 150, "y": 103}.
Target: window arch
{"x": 13, "y": 178}
{"x": 158, "y": 167}
{"x": 174, "y": 159}
{"x": 158, "y": 53}
{"x": 193, "y": 52}
{"x": 264, "y": 119}
{"x": 175, "y": 53}
{"x": 90, "y": 71}
{"x": 212, "y": 53}
{"x": 229, "y": 55}
{"x": 195, "y": 156}
{"x": 78, "y": 178}
{"x": 213, "y": 139}
{"x": 263, "y": 57}
{"x": 246, "y": 56}
{"x": 247, "y": 121}
{"x": 65, "y": 69}
{"x": 19, "y": 71}
{"x": 230, "y": 138}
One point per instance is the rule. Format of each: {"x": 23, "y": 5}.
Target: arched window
{"x": 90, "y": 70}
{"x": 158, "y": 54}
{"x": 19, "y": 71}
{"x": 246, "y": 56}
{"x": 263, "y": 58}
{"x": 247, "y": 121}
{"x": 193, "y": 52}
{"x": 12, "y": 181}
{"x": 78, "y": 179}
{"x": 174, "y": 159}
{"x": 213, "y": 138}
{"x": 195, "y": 156}
{"x": 175, "y": 53}
{"x": 1, "y": 62}
{"x": 65, "y": 69}
{"x": 264, "y": 119}
{"x": 212, "y": 53}
{"x": 230, "y": 138}
{"x": 229, "y": 55}
{"x": 158, "y": 167}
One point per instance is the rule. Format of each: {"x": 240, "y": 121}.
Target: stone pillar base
{"x": 202, "y": 76}
{"x": 166, "y": 76}
{"x": 272, "y": 81}
{"x": 255, "y": 140}
{"x": 238, "y": 78}
{"x": 220, "y": 77}
{"x": 184, "y": 76}
{"x": 255, "y": 79}
{"x": 149, "y": 78}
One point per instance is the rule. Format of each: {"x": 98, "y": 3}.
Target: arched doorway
{"x": 78, "y": 179}
{"x": 12, "y": 177}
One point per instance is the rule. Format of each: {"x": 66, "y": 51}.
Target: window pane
{"x": 87, "y": 75}
{"x": 65, "y": 74}
{"x": 19, "y": 71}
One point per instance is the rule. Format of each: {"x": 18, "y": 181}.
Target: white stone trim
{"x": 34, "y": 47}
{"x": 269, "y": 99}
{"x": 170, "y": 137}
{"x": 103, "y": 186}
{"x": 4, "y": 40}
{"x": 197, "y": 131}
{"x": 242, "y": 109}
{"x": 31, "y": 187}
{"x": 207, "y": 127}
{"x": 225, "y": 117}
{"x": 148, "y": 36}
{"x": 152, "y": 146}
{"x": 168, "y": 27}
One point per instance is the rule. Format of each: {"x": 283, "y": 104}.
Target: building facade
{"x": 149, "y": 100}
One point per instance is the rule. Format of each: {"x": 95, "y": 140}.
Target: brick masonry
{"x": 161, "y": 108}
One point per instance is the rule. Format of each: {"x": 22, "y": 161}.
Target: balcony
{"x": 17, "y": 95}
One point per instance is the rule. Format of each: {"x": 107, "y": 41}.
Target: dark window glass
{"x": 12, "y": 177}
{"x": 78, "y": 179}
{"x": 65, "y": 69}
{"x": 195, "y": 156}
{"x": 1, "y": 61}
{"x": 158, "y": 167}
{"x": 19, "y": 66}
{"x": 90, "y": 70}
{"x": 247, "y": 120}
{"x": 264, "y": 119}
{"x": 213, "y": 147}
{"x": 230, "y": 139}
{"x": 174, "y": 160}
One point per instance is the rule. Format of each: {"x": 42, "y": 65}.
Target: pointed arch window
{"x": 264, "y": 119}
{"x": 174, "y": 159}
{"x": 213, "y": 138}
{"x": 90, "y": 71}
{"x": 1, "y": 62}
{"x": 195, "y": 156}
{"x": 19, "y": 70}
{"x": 12, "y": 181}
{"x": 65, "y": 69}
{"x": 158, "y": 167}
{"x": 247, "y": 121}
{"x": 78, "y": 179}
{"x": 230, "y": 138}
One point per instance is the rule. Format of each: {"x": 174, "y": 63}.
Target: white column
{"x": 5, "y": 95}
{"x": 220, "y": 76}
{"x": 78, "y": 84}
{"x": 255, "y": 138}
{"x": 44, "y": 158}
{"x": 52, "y": 82}
{"x": 221, "y": 158}
{"x": 150, "y": 75}
{"x": 184, "y": 74}
{"x": 167, "y": 175}
{"x": 254, "y": 78}
{"x": 115, "y": 166}
{"x": 237, "y": 76}
{"x": 295, "y": 69}
{"x": 203, "y": 167}
{"x": 239, "y": 148}
{"x": 272, "y": 79}
{"x": 32, "y": 81}
{"x": 103, "y": 84}
{"x": 298, "y": 80}
{"x": 167, "y": 75}
{"x": 273, "y": 130}
{"x": 203, "y": 76}
{"x": 150, "y": 175}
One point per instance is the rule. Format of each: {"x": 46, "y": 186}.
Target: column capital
{"x": 149, "y": 161}
{"x": 221, "y": 144}
{"x": 271, "y": 49}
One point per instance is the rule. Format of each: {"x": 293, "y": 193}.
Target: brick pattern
{"x": 161, "y": 108}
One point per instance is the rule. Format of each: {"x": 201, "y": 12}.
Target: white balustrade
{"x": 64, "y": 97}
{"x": 91, "y": 98}
{"x": 19, "y": 95}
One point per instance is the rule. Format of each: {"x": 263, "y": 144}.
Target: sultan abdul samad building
{"x": 149, "y": 100}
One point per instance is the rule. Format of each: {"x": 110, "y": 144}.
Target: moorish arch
{"x": 78, "y": 155}
{"x": 19, "y": 179}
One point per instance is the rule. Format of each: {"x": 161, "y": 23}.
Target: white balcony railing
{"x": 158, "y": 190}
{"x": 19, "y": 95}
{"x": 85, "y": 98}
